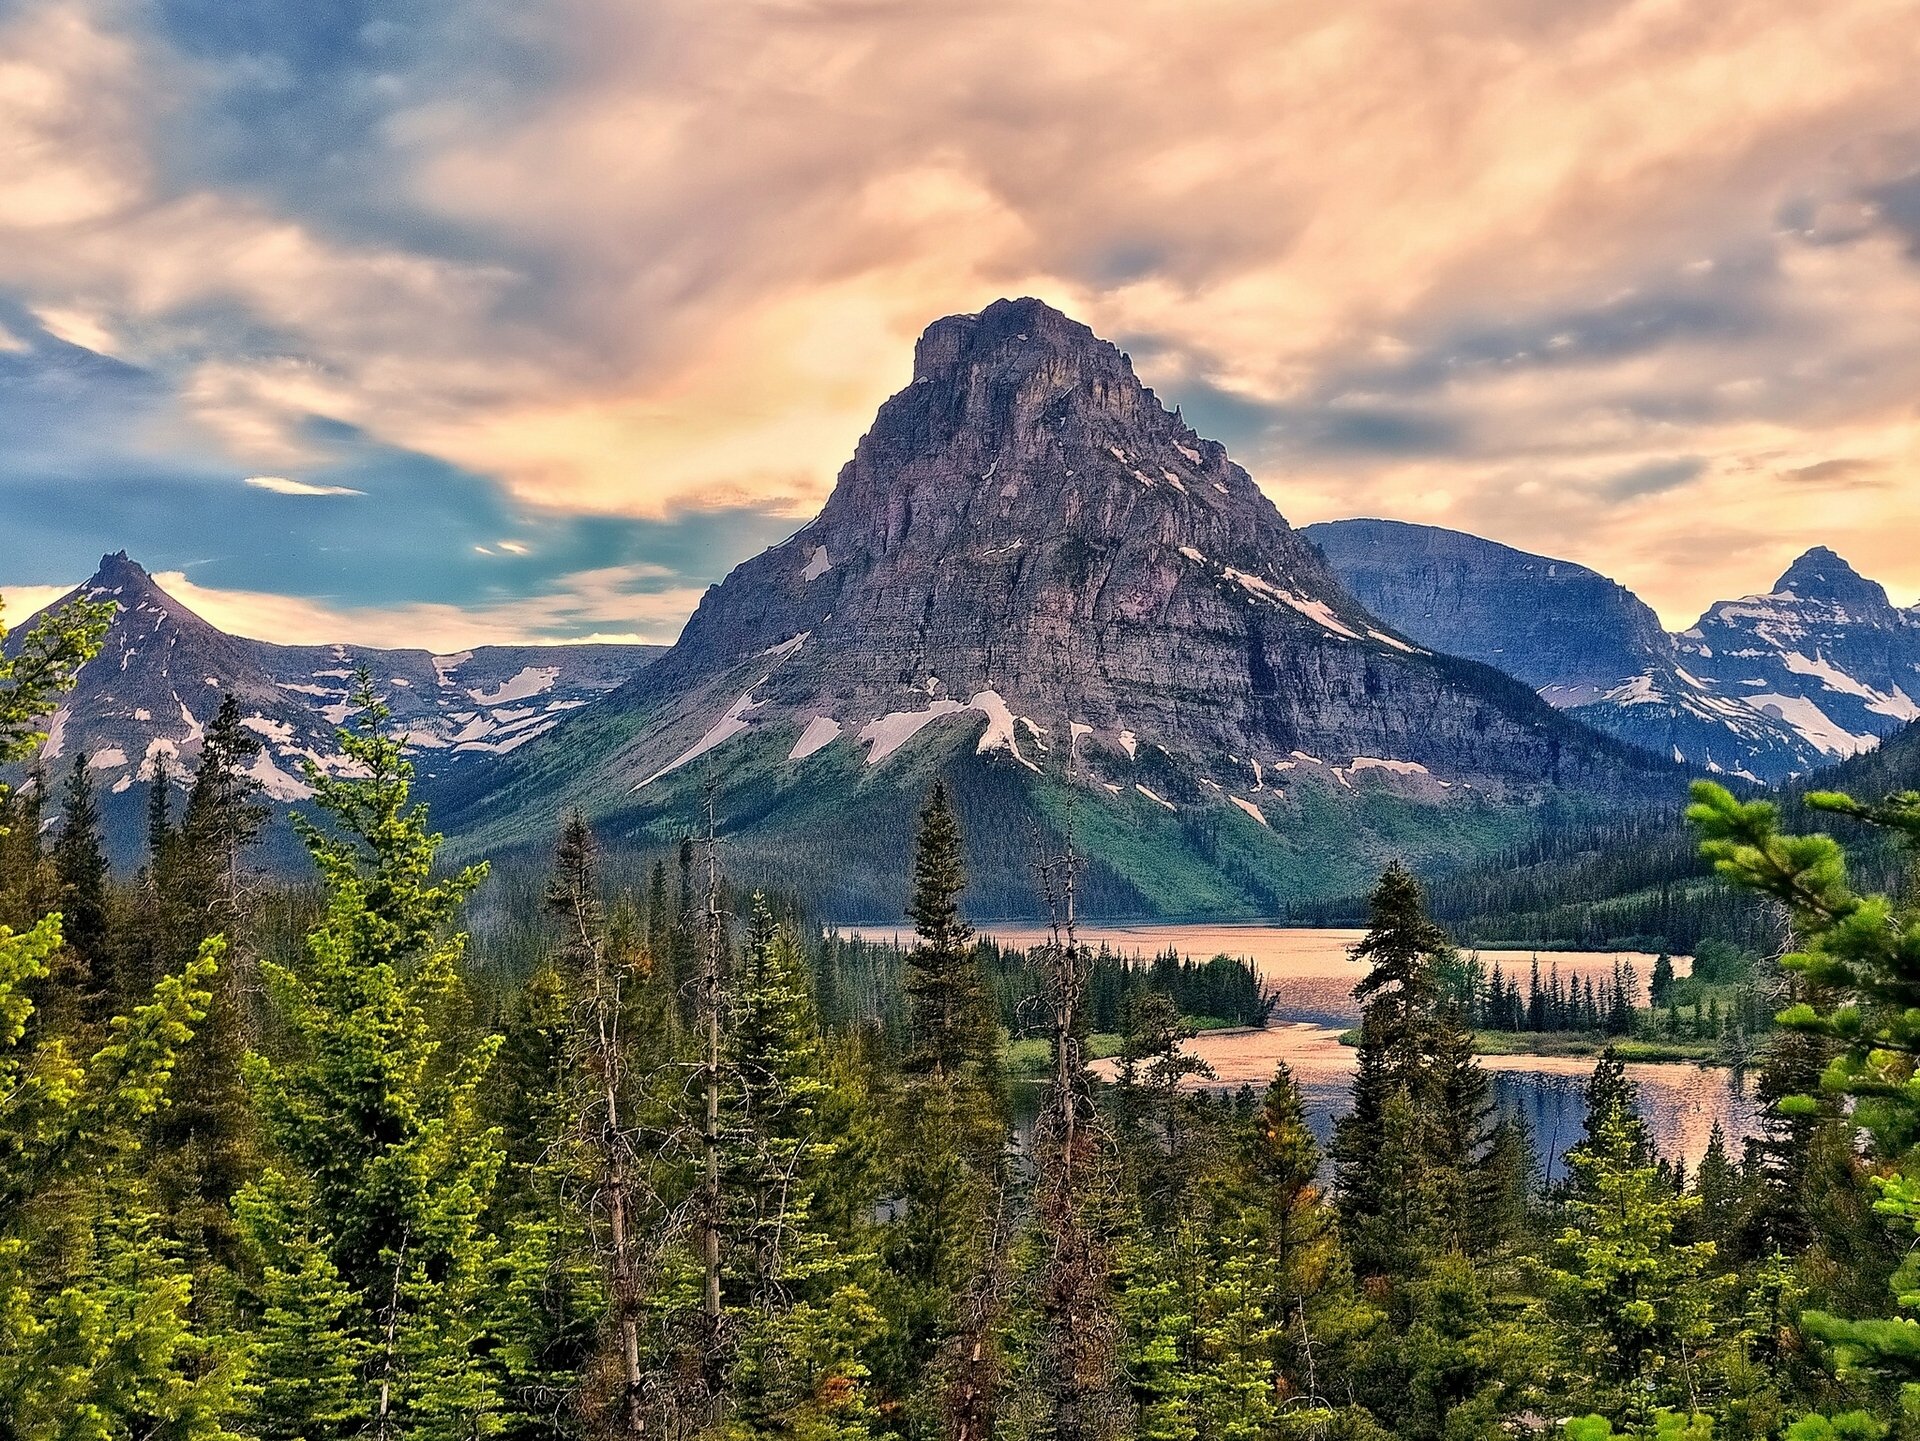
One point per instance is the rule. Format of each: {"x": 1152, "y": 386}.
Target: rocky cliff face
{"x": 1026, "y": 528}
{"x": 1030, "y": 558}
{"x": 1586, "y": 643}
{"x": 163, "y": 672}
{"x": 1767, "y": 687}
{"x": 1569, "y": 632}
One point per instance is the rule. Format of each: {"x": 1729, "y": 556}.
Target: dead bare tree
{"x": 1078, "y": 1372}
{"x": 604, "y": 1126}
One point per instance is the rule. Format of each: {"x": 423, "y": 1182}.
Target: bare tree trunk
{"x": 577, "y": 892}
{"x": 710, "y": 998}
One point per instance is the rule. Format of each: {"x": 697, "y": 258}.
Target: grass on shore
{"x": 1032, "y": 1056}
{"x": 1584, "y": 1045}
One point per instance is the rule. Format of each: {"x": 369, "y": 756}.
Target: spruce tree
{"x": 1318, "y": 1318}
{"x": 1406, "y": 1184}
{"x": 950, "y": 1029}
{"x": 80, "y": 862}
{"x": 1859, "y": 962}
{"x": 802, "y": 1315}
{"x": 1639, "y": 1307}
{"x": 96, "y": 1336}
{"x": 207, "y": 1146}
{"x": 381, "y": 1170}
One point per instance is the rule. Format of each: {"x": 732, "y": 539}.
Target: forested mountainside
{"x": 303, "y": 1163}
{"x": 1037, "y": 582}
{"x": 1765, "y": 688}
{"x": 1643, "y": 879}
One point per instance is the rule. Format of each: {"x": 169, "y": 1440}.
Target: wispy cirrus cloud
{"x": 282, "y": 485}
{"x": 1596, "y": 278}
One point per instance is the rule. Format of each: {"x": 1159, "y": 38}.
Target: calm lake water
{"x": 1310, "y": 972}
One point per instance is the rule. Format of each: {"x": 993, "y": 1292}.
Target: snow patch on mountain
{"x": 1250, "y": 808}
{"x": 1813, "y": 723}
{"x": 889, "y": 732}
{"x": 821, "y": 732}
{"x": 531, "y": 681}
{"x": 1000, "y": 722}
{"x": 728, "y": 726}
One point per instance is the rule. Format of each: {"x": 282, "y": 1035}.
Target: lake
{"x": 1311, "y": 974}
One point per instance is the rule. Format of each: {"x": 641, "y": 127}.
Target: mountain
{"x": 1035, "y": 579}
{"x": 162, "y": 672}
{"x": 1824, "y": 650}
{"x": 1730, "y": 696}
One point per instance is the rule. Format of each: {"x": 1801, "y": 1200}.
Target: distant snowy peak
{"x": 1767, "y": 686}
{"x": 163, "y": 672}
{"x": 1824, "y": 651}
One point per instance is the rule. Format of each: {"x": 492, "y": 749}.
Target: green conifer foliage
{"x": 1407, "y": 1153}
{"x": 381, "y": 1168}
{"x": 1640, "y": 1308}
{"x": 80, "y": 862}
{"x": 800, "y": 1309}
{"x": 1860, "y": 965}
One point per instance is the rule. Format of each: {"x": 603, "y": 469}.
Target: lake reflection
{"x": 1313, "y": 979}
{"x": 1681, "y": 1103}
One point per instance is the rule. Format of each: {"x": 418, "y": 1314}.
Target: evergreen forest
{"x": 303, "y": 1162}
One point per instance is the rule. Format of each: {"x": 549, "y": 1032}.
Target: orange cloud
{"x": 693, "y": 266}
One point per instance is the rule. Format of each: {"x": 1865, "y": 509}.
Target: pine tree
{"x": 1639, "y": 1307}
{"x": 1859, "y": 968}
{"x": 1404, "y": 1193}
{"x": 951, "y": 1030}
{"x": 80, "y": 862}
{"x": 207, "y": 1146}
{"x": 1158, "y": 1320}
{"x": 381, "y": 1171}
{"x": 1660, "y": 983}
{"x": 96, "y": 1338}
{"x": 1316, "y": 1315}
{"x": 1718, "y": 1185}
{"x": 1234, "y": 1339}
{"x": 223, "y": 817}
{"x": 802, "y": 1314}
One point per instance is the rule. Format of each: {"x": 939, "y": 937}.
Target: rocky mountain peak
{"x": 1022, "y": 426}
{"x": 1820, "y": 574}
{"x": 123, "y": 578}
{"x": 1013, "y": 336}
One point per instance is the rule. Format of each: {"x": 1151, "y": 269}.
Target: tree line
{"x": 299, "y": 1167}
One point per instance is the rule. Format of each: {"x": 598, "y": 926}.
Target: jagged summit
{"x": 1026, "y": 322}
{"x": 1821, "y": 574}
{"x": 119, "y": 574}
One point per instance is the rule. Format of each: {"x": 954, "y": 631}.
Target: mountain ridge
{"x": 1031, "y": 563}
{"x": 163, "y": 672}
{"x": 1730, "y": 695}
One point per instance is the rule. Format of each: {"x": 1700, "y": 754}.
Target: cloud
{"x": 600, "y": 600}
{"x": 1840, "y": 471}
{"x": 17, "y": 602}
{"x": 280, "y": 485}
{"x": 1493, "y": 263}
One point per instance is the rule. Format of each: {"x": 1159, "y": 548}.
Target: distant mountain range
{"x": 1037, "y": 582}
{"x": 163, "y": 671}
{"x": 1765, "y": 687}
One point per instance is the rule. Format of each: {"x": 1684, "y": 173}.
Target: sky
{"x": 483, "y": 321}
